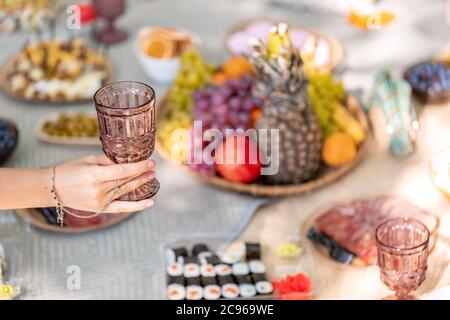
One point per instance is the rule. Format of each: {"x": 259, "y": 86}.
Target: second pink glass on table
{"x": 126, "y": 116}
{"x": 402, "y": 255}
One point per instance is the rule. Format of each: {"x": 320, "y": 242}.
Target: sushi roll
{"x": 174, "y": 269}
{"x": 247, "y": 290}
{"x": 199, "y": 248}
{"x": 230, "y": 291}
{"x": 207, "y": 270}
{"x": 205, "y": 254}
{"x": 233, "y": 253}
{"x": 206, "y": 281}
{"x": 194, "y": 281}
{"x": 240, "y": 269}
{"x": 212, "y": 259}
{"x": 194, "y": 292}
{"x": 176, "y": 291}
{"x": 243, "y": 279}
{"x": 212, "y": 292}
{"x": 223, "y": 269}
{"x": 264, "y": 287}
{"x": 256, "y": 277}
{"x": 252, "y": 251}
{"x": 175, "y": 280}
{"x": 223, "y": 280}
{"x": 191, "y": 270}
{"x": 190, "y": 259}
{"x": 256, "y": 266}
{"x": 172, "y": 255}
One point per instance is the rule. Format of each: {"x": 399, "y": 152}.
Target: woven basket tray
{"x": 336, "y": 49}
{"x": 325, "y": 177}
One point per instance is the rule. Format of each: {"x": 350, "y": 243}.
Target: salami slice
{"x": 352, "y": 225}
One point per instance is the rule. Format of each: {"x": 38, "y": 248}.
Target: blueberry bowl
{"x": 430, "y": 81}
{"x": 9, "y": 136}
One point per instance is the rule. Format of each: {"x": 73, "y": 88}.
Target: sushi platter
{"x": 206, "y": 267}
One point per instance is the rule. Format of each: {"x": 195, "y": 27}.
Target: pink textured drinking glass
{"x": 402, "y": 255}
{"x": 110, "y": 10}
{"x": 126, "y": 117}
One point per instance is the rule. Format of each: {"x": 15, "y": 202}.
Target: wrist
{"x": 45, "y": 178}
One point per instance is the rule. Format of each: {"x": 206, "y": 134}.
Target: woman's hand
{"x": 88, "y": 184}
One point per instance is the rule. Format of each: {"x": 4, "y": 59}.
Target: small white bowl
{"x": 161, "y": 70}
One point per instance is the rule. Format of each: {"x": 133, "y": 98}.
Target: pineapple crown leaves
{"x": 281, "y": 76}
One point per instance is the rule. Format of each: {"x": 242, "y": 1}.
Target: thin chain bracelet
{"x": 60, "y": 210}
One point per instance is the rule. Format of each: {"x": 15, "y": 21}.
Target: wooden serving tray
{"x": 35, "y": 218}
{"x": 337, "y": 52}
{"x": 321, "y": 255}
{"x": 8, "y": 66}
{"x": 326, "y": 177}
{"x": 82, "y": 141}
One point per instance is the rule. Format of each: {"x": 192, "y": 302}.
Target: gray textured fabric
{"x": 121, "y": 262}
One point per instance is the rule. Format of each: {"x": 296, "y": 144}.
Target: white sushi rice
{"x": 231, "y": 258}
{"x": 175, "y": 269}
{"x": 247, "y": 290}
{"x": 176, "y": 291}
{"x": 207, "y": 271}
{"x": 256, "y": 266}
{"x": 234, "y": 253}
{"x": 170, "y": 256}
{"x": 223, "y": 269}
{"x": 240, "y": 269}
{"x": 230, "y": 291}
{"x": 212, "y": 292}
{"x": 191, "y": 270}
{"x": 264, "y": 287}
{"x": 194, "y": 292}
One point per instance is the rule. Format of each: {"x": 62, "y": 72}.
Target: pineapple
{"x": 281, "y": 82}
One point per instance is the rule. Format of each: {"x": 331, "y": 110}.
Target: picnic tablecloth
{"x": 121, "y": 262}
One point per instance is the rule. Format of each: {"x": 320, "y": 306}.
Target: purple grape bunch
{"x": 228, "y": 106}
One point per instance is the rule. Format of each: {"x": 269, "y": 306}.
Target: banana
{"x": 348, "y": 123}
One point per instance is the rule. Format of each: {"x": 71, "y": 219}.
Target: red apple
{"x": 237, "y": 159}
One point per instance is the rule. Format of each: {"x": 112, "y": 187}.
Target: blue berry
{"x": 429, "y": 76}
{"x": 8, "y": 136}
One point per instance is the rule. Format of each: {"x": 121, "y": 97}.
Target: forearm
{"x": 25, "y": 188}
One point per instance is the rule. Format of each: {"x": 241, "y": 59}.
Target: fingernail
{"x": 151, "y": 173}
{"x": 149, "y": 203}
{"x": 151, "y": 164}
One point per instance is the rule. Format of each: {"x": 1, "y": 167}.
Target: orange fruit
{"x": 158, "y": 46}
{"x": 255, "y": 116}
{"x": 219, "y": 78}
{"x": 338, "y": 149}
{"x": 370, "y": 21}
{"x": 237, "y": 66}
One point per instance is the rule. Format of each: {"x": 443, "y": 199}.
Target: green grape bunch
{"x": 194, "y": 73}
{"x": 323, "y": 91}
